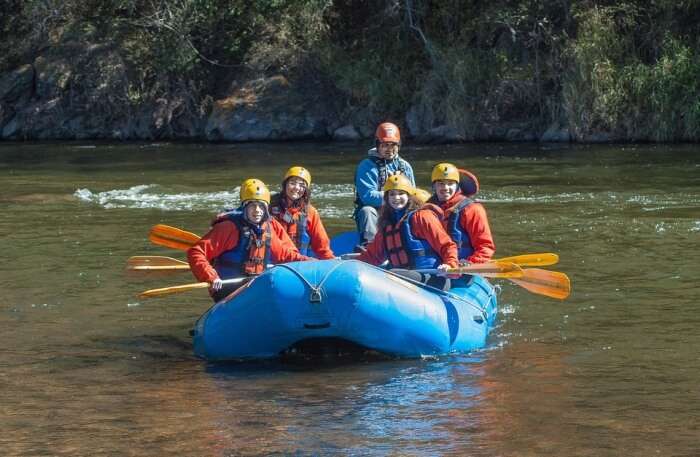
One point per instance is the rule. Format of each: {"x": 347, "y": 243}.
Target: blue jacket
{"x": 368, "y": 182}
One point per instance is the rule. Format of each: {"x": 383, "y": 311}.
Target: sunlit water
{"x": 88, "y": 369}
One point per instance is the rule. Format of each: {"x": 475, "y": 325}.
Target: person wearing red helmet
{"x": 371, "y": 174}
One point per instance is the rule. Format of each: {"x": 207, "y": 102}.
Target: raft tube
{"x": 346, "y": 300}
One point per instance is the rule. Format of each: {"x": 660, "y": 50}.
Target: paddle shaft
{"x": 187, "y": 287}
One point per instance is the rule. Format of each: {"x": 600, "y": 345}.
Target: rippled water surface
{"x": 88, "y": 369}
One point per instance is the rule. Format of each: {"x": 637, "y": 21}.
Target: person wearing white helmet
{"x": 383, "y": 161}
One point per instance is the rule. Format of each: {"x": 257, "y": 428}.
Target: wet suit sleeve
{"x": 475, "y": 222}
{"x": 320, "y": 242}
{"x": 375, "y": 253}
{"x": 426, "y": 225}
{"x": 221, "y": 238}
{"x": 367, "y": 182}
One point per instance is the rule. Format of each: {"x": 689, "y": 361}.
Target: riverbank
{"x": 212, "y": 70}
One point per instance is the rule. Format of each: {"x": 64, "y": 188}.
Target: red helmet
{"x": 388, "y": 133}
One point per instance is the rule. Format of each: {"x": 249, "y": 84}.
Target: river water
{"x": 86, "y": 368}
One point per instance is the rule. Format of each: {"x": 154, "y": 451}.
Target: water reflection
{"x": 366, "y": 408}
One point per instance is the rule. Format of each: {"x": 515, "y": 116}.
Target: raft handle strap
{"x": 315, "y": 296}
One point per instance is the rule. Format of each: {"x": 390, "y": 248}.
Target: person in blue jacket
{"x": 383, "y": 161}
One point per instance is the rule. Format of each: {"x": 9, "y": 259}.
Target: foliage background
{"x": 630, "y": 68}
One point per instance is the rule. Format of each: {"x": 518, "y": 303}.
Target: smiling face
{"x": 388, "y": 151}
{"x": 445, "y": 189}
{"x": 295, "y": 188}
{"x": 397, "y": 199}
{"x": 255, "y": 211}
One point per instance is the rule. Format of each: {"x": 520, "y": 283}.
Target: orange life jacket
{"x": 252, "y": 253}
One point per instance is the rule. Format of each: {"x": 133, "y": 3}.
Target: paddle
{"x": 543, "y": 282}
{"x": 552, "y": 284}
{"x": 531, "y": 260}
{"x": 487, "y": 269}
{"x": 165, "y": 235}
{"x": 156, "y": 263}
{"x": 186, "y": 287}
{"x": 172, "y": 237}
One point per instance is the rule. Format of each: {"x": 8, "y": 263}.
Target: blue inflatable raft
{"x": 345, "y": 300}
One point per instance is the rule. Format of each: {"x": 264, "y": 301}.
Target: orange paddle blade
{"x": 552, "y": 284}
{"x": 172, "y": 237}
{"x": 156, "y": 263}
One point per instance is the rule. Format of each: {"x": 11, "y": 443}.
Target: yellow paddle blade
{"x": 532, "y": 260}
{"x": 172, "y": 237}
{"x": 552, "y": 284}
{"x": 156, "y": 263}
{"x": 490, "y": 270}
{"x": 172, "y": 290}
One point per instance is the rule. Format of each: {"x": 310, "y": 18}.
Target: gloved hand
{"x": 216, "y": 285}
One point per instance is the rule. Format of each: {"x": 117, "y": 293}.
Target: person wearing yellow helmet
{"x": 372, "y": 173}
{"x": 410, "y": 235}
{"x": 464, "y": 218}
{"x": 293, "y": 210}
{"x": 241, "y": 243}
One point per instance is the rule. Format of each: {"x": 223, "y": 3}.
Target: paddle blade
{"x": 172, "y": 237}
{"x": 172, "y": 290}
{"x": 156, "y": 263}
{"x": 532, "y": 260}
{"x": 490, "y": 270}
{"x": 552, "y": 284}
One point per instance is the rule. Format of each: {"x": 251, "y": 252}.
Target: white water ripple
{"x": 148, "y": 196}
{"x": 152, "y": 196}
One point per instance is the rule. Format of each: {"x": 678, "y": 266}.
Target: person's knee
{"x": 367, "y": 218}
{"x": 368, "y": 213}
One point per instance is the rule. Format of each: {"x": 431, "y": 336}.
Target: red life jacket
{"x": 404, "y": 249}
{"x": 294, "y": 224}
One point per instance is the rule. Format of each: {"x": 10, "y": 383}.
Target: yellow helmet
{"x": 421, "y": 195}
{"x": 299, "y": 172}
{"x": 254, "y": 189}
{"x": 399, "y": 182}
{"x": 444, "y": 171}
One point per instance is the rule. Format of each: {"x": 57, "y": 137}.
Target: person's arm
{"x": 320, "y": 243}
{"x": 366, "y": 183}
{"x": 409, "y": 172}
{"x": 475, "y": 222}
{"x": 427, "y": 226}
{"x": 281, "y": 231}
{"x": 374, "y": 253}
{"x": 221, "y": 238}
{"x": 283, "y": 250}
